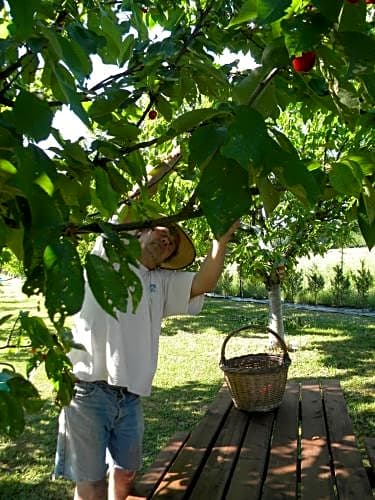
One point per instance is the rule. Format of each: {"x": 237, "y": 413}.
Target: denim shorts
{"x": 102, "y": 427}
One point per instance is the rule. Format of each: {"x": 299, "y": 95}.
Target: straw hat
{"x": 185, "y": 253}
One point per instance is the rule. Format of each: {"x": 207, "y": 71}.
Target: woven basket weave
{"x": 256, "y": 381}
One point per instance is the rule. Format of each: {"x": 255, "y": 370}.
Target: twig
{"x": 262, "y": 85}
{"x": 96, "y": 227}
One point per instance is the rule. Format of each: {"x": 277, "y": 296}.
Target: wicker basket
{"x": 256, "y": 381}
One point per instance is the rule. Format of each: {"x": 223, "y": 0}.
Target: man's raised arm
{"x": 208, "y": 275}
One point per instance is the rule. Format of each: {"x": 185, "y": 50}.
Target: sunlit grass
{"x": 188, "y": 377}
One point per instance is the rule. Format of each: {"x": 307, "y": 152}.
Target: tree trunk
{"x": 275, "y": 310}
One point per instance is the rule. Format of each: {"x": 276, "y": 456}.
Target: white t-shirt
{"x": 124, "y": 352}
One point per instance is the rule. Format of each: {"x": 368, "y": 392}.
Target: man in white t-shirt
{"x": 102, "y": 428}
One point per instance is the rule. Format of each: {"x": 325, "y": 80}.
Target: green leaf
{"x": 26, "y": 106}
{"x": 56, "y": 363}
{"x": 16, "y": 394}
{"x": 12, "y": 419}
{"x": 269, "y": 194}
{"x": 106, "y": 285}
{"x": 346, "y": 178}
{"x": 7, "y": 166}
{"x": 247, "y": 138}
{"x": 104, "y": 105}
{"x": 35, "y": 328}
{"x": 23, "y": 13}
{"x": 107, "y": 195}
{"x": 244, "y": 89}
{"x": 294, "y": 175}
{"x": 86, "y": 38}
{"x": 354, "y": 43}
{"x": 64, "y": 89}
{"x": 127, "y": 49}
{"x": 367, "y": 228}
{"x": 75, "y": 58}
{"x": 303, "y": 32}
{"x": 64, "y": 278}
{"x": 54, "y": 46}
{"x": 164, "y": 107}
{"x": 248, "y": 12}
{"x": 25, "y": 392}
{"x": 224, "y": 193}
{"x": 353, "y": 17}
{"x": 123, "y": 130}
{"x": 275, "y": 55}
{"x": 192, "y": 119}
{"x": 204, "y": 143}
{"x": 270, "y": 11}
{"x": 64, "y": 387}
{"x": 368, "y": 196}
{"x": 330, "y": 10}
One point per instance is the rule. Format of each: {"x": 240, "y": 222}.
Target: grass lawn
{"x": 188, "y": 377}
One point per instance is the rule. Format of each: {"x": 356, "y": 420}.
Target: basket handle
{"x": 254, "y": 327}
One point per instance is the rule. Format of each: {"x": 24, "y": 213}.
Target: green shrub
{"x": 315, "y": 282}
{"x": 340, "y": 285}
{"x": 253, "y": 287}
{"x": 292, "y": 284}
{"x": 363, "y": 280}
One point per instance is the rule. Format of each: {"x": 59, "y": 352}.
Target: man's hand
{"x": 226, "y": 237}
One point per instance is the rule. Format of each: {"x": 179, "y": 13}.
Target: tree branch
{"x": 262, "y": 85}
{"x": 96, "y": 227}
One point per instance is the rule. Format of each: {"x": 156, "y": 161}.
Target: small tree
{"x": 292, "y": 284}
{"x": 315, "y": 282}
{"x": 225, "y": 283}
{"x": 363, "y": 280}
{"x": 340, "y": 285}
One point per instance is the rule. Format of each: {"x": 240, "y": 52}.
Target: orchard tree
{"x": 172, "y": 115}
{"x": 281, "y": 229}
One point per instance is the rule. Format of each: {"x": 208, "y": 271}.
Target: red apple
{"x": 370, "y": 1}
{"x": 152, "y": 114}
{"x": 304, "y": 63}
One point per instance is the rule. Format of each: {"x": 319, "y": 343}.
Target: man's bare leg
{"x": 91, "y": 490}
{"x": 120, "y": 483}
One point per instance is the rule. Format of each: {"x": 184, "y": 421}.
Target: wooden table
{"x": 306, "y": 449}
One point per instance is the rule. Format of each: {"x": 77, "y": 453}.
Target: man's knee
{"x": 91, "y": 490}
{"x": 120, "y": 482}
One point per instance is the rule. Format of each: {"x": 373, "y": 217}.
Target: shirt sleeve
{"x": 177, "y": 299}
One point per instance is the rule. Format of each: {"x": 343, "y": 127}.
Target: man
{"x": 104, "y": 421}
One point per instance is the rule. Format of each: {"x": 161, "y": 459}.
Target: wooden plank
{"x": 315, "y": 457}
{"x": 217, "y": 471}
{"x": 370, "y": 447}
{"x": 249, "y": 472}
{"x": 282, "y": 470}
{"x": 148, "y": 482}
{"x": 186, "y": 468}
{"x": 351, "y": 478}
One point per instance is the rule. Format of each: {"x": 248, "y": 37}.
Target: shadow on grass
{"x": 26, "y": 464}
{"x": 344, "y": 343}
{"x": 227, "y": 317}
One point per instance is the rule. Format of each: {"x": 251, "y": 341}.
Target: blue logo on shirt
{"x": 152, "y": 287}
